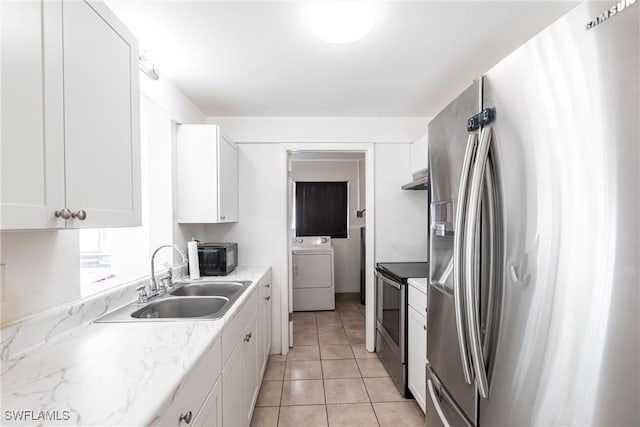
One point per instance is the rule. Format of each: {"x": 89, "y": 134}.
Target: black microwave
{"x": 217, "y": 259}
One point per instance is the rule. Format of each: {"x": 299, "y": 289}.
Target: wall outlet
{"x": 3, "y": 282}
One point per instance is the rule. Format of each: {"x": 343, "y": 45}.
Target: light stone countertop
{"x": 113, "y": 373}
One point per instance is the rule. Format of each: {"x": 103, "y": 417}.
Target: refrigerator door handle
{"x": 458, "y": 256}
{"x": 436, "y": 403}
{"x": 471, "y": 229}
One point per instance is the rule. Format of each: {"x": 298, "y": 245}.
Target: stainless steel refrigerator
{"x": 533, "y": 300}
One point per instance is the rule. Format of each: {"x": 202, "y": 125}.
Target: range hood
{"x": 420, "y": 181}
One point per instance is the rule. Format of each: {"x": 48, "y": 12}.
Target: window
{"x": 321, "y": 209}
{"x": 111, "y": 257}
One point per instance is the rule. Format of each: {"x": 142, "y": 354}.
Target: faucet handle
{"x": 142, "y": 294}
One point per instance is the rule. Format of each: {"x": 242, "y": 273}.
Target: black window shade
{"x": 321, "y": 209}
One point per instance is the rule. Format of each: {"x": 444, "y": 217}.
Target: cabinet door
{"x": 250, "y": 376}
{"x": 260, "y": 326}
{"x": 267, "y": 323}
{"x": 102, "y": 115}
{"x": 227, "y": 180}
{"x": 210, "y": 414}
{"x": 232, "y": 389}
{"x": 32, "y": 149}
{"x": 264, "y": 326}
{"x": 417, "y": 356}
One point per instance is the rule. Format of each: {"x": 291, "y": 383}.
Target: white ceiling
{"x": 240, "y": 58}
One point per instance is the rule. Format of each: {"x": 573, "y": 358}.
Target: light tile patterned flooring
{"x": 329, "y": 378}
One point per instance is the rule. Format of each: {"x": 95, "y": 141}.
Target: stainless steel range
{"x": 391, "y": 316}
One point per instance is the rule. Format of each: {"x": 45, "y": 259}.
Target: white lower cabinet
{"x": 264, "y": 325}
{"x": 192, "y": 396}
{"x": 232, "y": 389}
{"x": 210, "y": 414}
{"x": 234, "y": 365}
{"x": 417, "y": 346}
{"x": 250, "y": 373}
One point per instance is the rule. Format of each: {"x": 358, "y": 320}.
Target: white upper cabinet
{"x": 32, "y": 131}
{"x": 101, "y": 103}
{"x": 207, "y": 187}
{"x": 419, "y": 155}
{"x": 70, "y": 117}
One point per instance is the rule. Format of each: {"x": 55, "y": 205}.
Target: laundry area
{"x": 327, "y": 211}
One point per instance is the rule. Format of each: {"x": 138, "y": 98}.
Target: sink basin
{"x": 209, "y": 289}
{"x": 202, "y": 300}
{"x": 181, "y": 308}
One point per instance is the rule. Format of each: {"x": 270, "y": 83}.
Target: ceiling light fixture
{"x": 341, "y": 21}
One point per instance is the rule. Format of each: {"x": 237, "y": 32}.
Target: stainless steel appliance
{"x": 533, "y": 298}
{"x": 217, "y": 259}
{"x": 391, "y": 316}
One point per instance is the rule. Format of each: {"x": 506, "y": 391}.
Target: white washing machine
{"x": 313, "y": 279}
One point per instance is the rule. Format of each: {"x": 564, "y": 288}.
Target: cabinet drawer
{"x": 235, "y": 329}
{"x": 418, "y": 300}
{"x": 194, "y": 390}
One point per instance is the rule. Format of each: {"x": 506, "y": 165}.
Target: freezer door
{"x": 566, "y": 140}
{"x": 448, "y": 140}
{"x": 442, "y": 410}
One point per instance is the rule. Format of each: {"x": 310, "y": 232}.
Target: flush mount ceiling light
{"x": 341, "y": 21}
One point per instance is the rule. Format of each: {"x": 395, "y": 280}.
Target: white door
{"x": 227, "y": 181}
{"x": 250, "y": 377}
{"x": 32, "y": 149}
{"x": 232, "y": 389}
{"x": 312, "y": 270}
{"x": 210, "y": 414}
{"x": 267, "y": 323}
{"x": 101, "y": 123}
{"x": 417, "y": 336}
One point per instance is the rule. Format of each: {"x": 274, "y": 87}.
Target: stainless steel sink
{"x": 181, "y": 308}
{"x": 209, "y": 289}
{"x": 203, "y": 300}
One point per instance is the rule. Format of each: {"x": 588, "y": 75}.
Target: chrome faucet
{"x": 153, "y": 286}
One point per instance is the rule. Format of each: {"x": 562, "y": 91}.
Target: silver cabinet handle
{"x": 247, "y": 337}
{"x": 471, "y": 230}
{"x": 268, "y": 298}
{"x": 64, "y": 214}
{"x": 81, "y": 215}
{"x": 186, "y": 417}
{"x": 458, "y": 244}
{"x": 223, "y": 217}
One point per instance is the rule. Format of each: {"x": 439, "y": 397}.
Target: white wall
{"x": 41, "y": 270}
{"x": 322, "y": 129}
{"x": 346, "y": 251}
{"x": 401, "y": 215}
{"x": 171, "y": 99}
{"x": 262, "y": 220}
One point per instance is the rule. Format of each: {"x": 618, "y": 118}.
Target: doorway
{"x": 350, "y": 321}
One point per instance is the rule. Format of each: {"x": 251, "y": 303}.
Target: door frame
{"x": 369, "y": 160}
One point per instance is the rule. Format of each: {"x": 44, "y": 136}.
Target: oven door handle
{"x": 389, "y": 281}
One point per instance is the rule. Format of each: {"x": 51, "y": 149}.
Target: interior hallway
{"x": 329, "y": 378}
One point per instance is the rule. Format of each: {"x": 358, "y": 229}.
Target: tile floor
{"x": 329, "y": 379}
